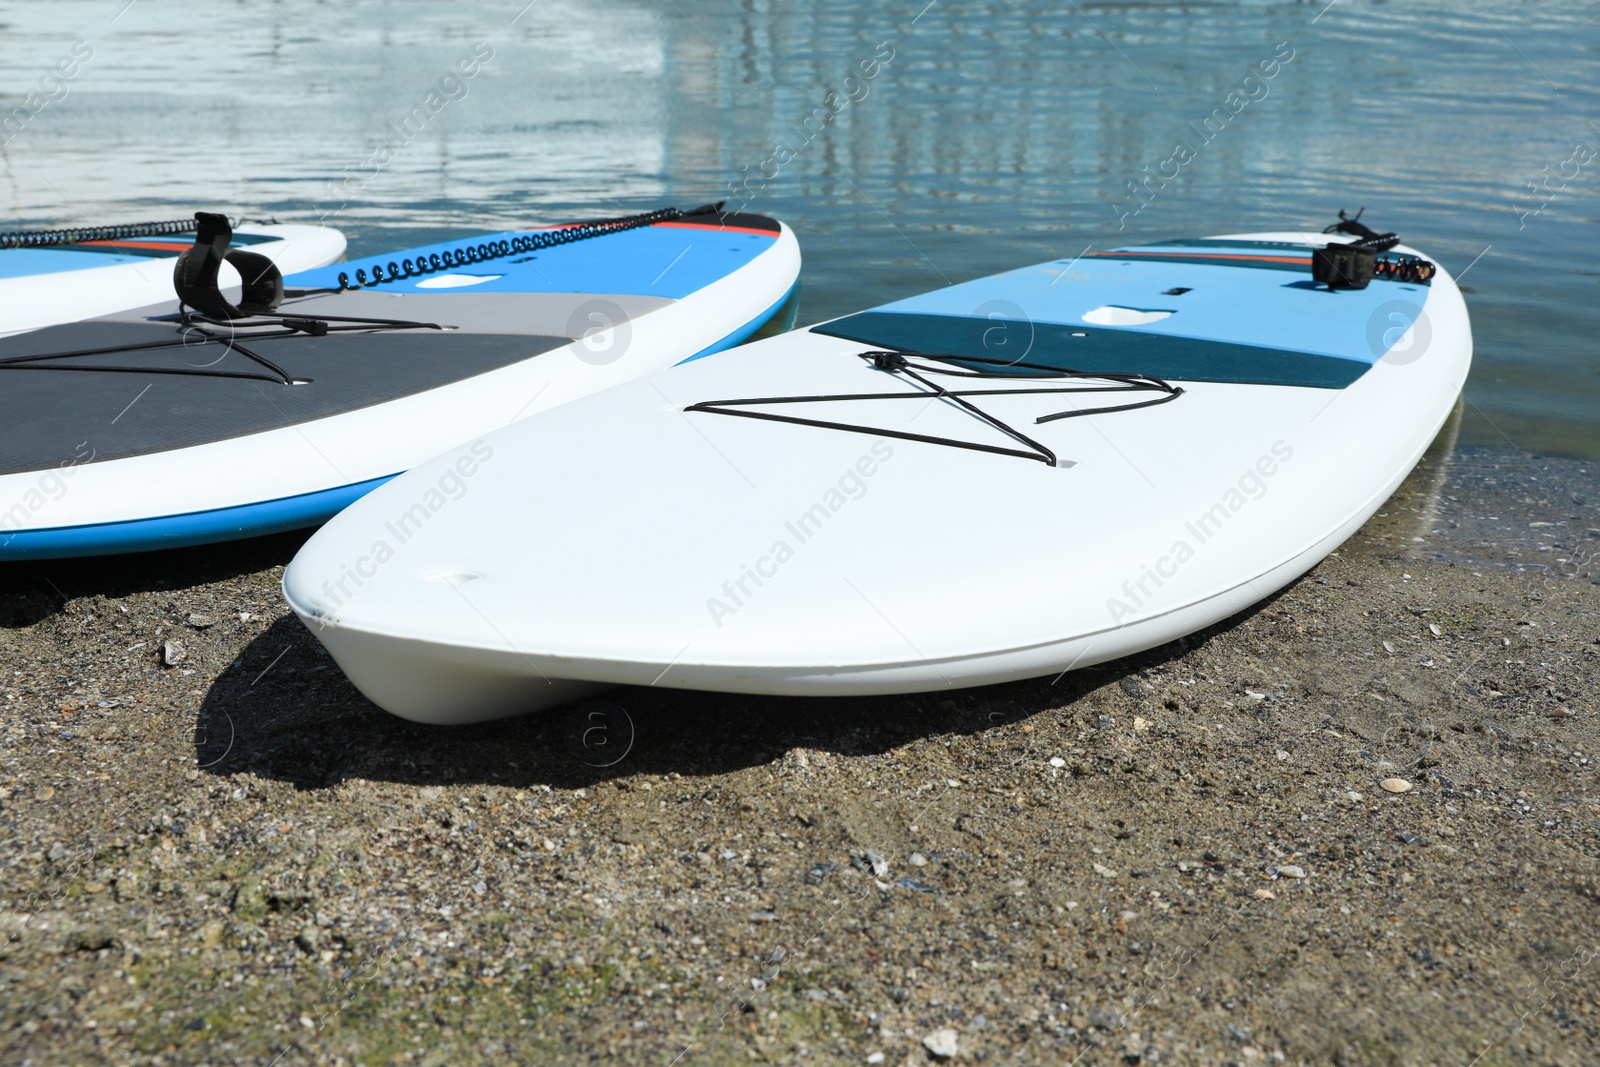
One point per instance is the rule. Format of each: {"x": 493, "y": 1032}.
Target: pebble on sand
{"x": 941, "y": 1044}
{"x": 1289, "y": 870}
{"x": 172, "y": 653}
{"x": 1395, "y": 785}
{"x": 1057, "y": 762}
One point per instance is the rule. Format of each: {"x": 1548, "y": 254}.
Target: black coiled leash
{"x": 465, "y": 255}
{"x": 49, "y": 238}
{"x": 1355, "y": 264}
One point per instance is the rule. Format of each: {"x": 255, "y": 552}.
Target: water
{"x": 969, "y": 137}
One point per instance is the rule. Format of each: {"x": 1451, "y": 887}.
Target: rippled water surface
{"x": 969, "y": 137}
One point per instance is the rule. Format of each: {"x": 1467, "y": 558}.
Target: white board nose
{"x": 1112, "y": 315}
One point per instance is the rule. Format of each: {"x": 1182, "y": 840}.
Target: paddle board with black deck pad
{"x": 236, "y": 417}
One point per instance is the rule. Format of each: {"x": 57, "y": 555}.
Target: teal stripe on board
{"x": 1087, "y": 348}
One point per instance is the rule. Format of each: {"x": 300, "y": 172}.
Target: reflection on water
{"x": 1478, "y": 508}
{"x": 1410, "y": 523}
{"x": 908, "y": 144}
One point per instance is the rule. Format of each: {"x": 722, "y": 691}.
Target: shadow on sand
{"x": 285, "y": 711}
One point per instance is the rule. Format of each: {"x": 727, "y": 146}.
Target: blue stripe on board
{"x": 669, "y": 261}
{"x": 183, "y": 531}
{"x": 743, "y": 333}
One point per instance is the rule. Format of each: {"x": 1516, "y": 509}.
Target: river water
{"x": 960, "y": 138}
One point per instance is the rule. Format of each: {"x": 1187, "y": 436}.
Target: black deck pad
{"x": 57, "y": 417}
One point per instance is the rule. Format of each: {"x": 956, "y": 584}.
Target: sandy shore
{"x": 1183, "y": 857}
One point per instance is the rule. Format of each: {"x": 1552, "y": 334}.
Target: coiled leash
{"x": 454, "y": 258}
{"x": 48, "y": 238}
{"x": 1354, "y": 265}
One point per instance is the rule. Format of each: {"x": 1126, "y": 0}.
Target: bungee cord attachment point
{"x": 1353, "y": 265}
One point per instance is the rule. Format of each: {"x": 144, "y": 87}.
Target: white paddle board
{"x": 65, "y": 276}
{"x": 802, "y": 517}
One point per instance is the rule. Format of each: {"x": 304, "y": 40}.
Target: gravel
{"x": 236, "y": 859}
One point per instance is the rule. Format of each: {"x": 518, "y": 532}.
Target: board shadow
{"x": 284, "y": 711}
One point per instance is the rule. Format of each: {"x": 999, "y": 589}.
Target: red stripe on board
{"x": 724, "y": 229}
{"x": 160, "y": 246}
{"x": 1202, "y": 255}
{"x": 677, "y": 225}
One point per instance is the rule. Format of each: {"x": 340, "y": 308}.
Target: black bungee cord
{"x": 901, "y": 363}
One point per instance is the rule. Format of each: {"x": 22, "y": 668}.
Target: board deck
{"x": 867, "y": 535}
{"x": 1234, "y": 311}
